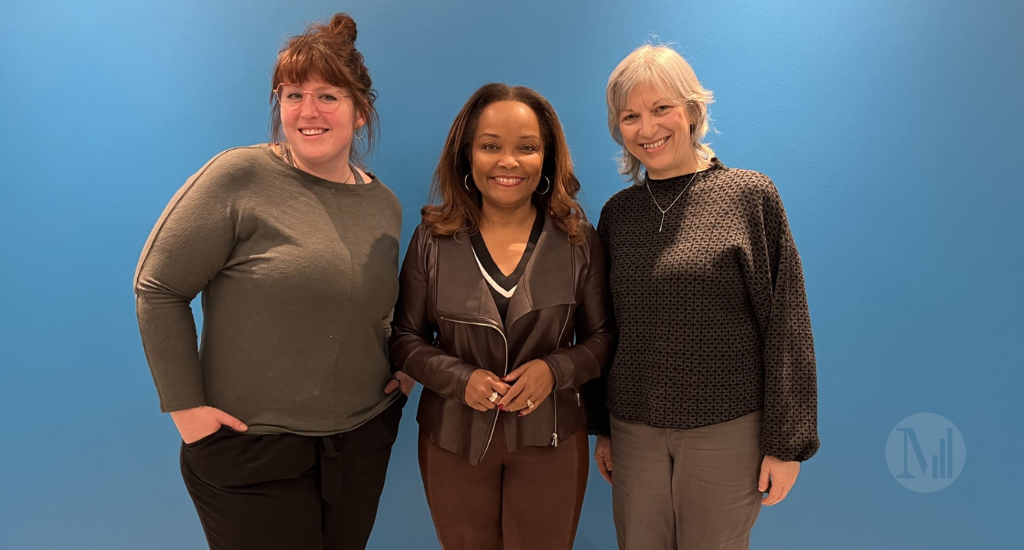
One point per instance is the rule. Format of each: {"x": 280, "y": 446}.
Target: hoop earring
{"x": 465, "y": 183}
{"x": 547, "y": 179}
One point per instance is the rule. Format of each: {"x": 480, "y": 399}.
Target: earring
{"x": 465, "y": 183}
{"x": 547, "y": 179}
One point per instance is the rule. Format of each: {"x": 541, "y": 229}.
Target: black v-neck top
{"x": 503, "y": 286}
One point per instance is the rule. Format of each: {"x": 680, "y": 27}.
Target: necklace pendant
{"x": 662, "y": 226}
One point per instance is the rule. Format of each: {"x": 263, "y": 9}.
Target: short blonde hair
{"x": 664, "y": 68}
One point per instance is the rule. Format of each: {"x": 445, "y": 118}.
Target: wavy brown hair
{"x": 328, "y": 52}
{"x": 455, "y": 208}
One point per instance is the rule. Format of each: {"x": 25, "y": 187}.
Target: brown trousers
{"x": 529, "y": 499}
{"x": 690, "y": 489}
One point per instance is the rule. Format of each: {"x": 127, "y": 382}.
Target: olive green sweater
{"x": 298, "y": 275}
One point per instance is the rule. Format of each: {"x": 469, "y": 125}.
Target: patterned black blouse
{"x": 711, "y": 311}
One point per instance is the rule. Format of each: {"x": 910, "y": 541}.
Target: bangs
{"x": 645, "y": 70}
{"x": 664, "y": 69}
{"x": 327, "y": 53}
{"x": 306, "y": 62}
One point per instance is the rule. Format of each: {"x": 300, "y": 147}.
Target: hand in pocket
{"x": 199, "y": 422}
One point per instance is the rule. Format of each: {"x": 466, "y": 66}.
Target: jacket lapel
{"x": 548, "y": 278}
{"x": 462, "y": 292}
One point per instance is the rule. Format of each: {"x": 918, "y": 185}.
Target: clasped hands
{"x": 530, "y": 384}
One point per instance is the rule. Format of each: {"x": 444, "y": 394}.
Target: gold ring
{"x": 494, "y": 397}
{"x": 530, "y": 404}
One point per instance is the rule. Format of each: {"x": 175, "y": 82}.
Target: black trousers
{"x": 290, "y": 491}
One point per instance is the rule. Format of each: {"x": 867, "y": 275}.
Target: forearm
{"x": 439, "y": 372}
{"x": 575, "y": 365}
{"x": 169, "y": 340}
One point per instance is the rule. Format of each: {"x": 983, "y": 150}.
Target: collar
{"x": 548, "y": 280}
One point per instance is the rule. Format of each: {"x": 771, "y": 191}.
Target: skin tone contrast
{"x": 507, "y": 157}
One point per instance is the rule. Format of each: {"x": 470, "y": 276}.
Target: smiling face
{"x": 320, "y": 142}
{"x": 507, "y": 155}
{"x": 656, "y": 130}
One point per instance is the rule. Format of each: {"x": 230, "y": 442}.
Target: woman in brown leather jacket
{"x": 503, "y": 313}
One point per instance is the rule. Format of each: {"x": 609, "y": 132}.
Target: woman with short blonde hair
{"x": 711, "y": 398}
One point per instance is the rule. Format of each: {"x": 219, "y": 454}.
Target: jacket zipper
{"x": 494, "y": 420}
{"x": 554, "y": 394}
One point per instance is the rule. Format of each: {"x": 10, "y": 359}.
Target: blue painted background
{"x": 892, "y": 128}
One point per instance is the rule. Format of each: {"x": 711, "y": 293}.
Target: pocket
{"x": 205, "y": 438}
{"x": 231, "y": 459}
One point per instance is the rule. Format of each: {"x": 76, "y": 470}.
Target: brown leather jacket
{"x": 446, "y": 325}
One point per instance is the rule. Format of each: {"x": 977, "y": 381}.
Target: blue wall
{"x": 890, "y": 127}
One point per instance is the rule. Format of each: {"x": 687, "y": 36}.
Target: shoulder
{"x": 620, "y": 204}
{"x": 387, "y": 194}
{"x": 422, "y": 236}
{"x": 622, "y": 198}
{"x": 591, "y": 245}
{"x": 751, "y": 193}
{"x": 232, "y": 168}
{"x": 423, "y": 244}
{"x": 747, "y": 183}
{"x": 241, "y": 159}
{"x": 589, "y": 232}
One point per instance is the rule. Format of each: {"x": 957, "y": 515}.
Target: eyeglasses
{"x": 327, "y": 100}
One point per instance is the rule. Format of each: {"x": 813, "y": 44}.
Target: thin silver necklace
{"x": 664, "y": 210}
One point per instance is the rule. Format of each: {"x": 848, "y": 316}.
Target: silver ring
{"x": 494, "y": 397}
{"x": 530, "y": 404}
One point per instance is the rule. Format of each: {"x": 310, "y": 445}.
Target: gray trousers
{"x": 690, "y": 489}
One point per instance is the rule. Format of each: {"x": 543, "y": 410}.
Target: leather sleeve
{"x": 595, "y": 392}
{"x": 593, "y": 323}
{"x": 411, "y": 344}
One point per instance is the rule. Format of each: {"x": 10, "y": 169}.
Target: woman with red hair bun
{"x": 287, "y": 410}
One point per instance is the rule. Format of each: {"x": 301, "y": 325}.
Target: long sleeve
{"x": 412, "y": 332}
{"x": 188, "y": 246}
{"x": 791, "y": 405}
{"x": 595, "y": 391}
{"x": 593, "y": 325}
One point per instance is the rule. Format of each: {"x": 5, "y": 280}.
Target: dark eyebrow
{"x": 525, "y": 136}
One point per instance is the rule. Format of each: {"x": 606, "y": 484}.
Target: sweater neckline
{"x": 684, "y": 179}
{"x": 318, "y": 181}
